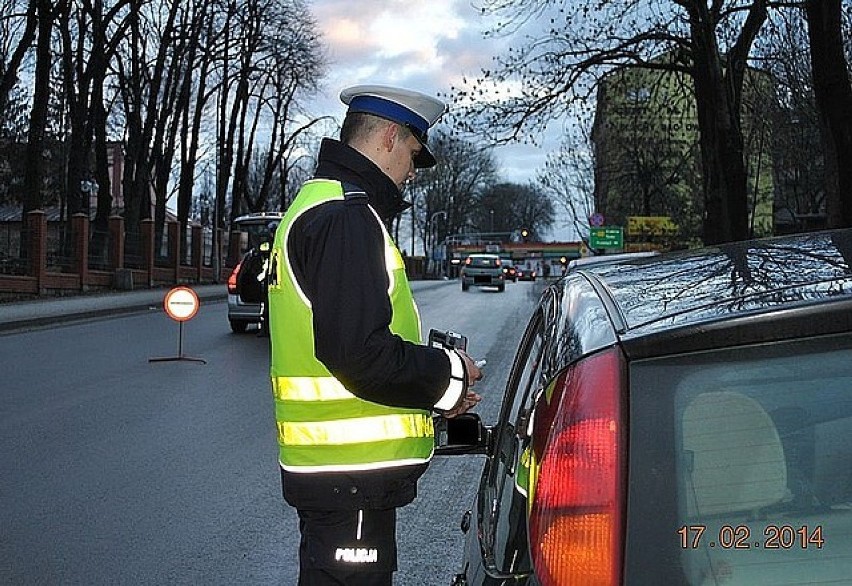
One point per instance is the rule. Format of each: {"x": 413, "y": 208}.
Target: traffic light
{"x": 525, "y": 234}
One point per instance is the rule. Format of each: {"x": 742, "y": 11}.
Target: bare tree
{"x": 18, "y": 27}
{"x": 301, "y": 159}
{"x": 504, "y": 209}
{"x": 88, "y": 45}
{"x": 47, "y": 13}
{"x": 172, "y": 130}
{"x": 797, "y": 152}
{"x": 146, "y": 76}
{"x": 452, "y": 186}
{"x": 17, "y": 33}
{"x": 567, "y": 178}
{"x": 561, "y": 62}
{"x": 194, "y": 99}
{"x": 285, "y": 69}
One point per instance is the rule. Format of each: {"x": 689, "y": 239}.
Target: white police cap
{"x": 416, "y": 111}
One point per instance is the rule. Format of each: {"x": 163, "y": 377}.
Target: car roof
{"x": 694, "y": 287}
{"x": 258, "y": 217}
{"x": 585, "y": 261}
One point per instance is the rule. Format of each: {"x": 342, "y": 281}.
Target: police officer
{"x": 354, "y": 388}
{"x": 264, "y": 276}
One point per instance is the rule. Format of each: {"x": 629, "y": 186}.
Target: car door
{"x": 503, "y": 498}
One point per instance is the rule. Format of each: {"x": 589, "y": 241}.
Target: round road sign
{"x": 181, "y": 303}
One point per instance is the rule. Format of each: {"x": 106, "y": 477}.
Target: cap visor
{"x": 424, "y": 158}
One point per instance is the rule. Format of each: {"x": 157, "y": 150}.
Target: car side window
{"x": 506, "y": 538}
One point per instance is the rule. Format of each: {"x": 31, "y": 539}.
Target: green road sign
{"x": 606, "y": 237}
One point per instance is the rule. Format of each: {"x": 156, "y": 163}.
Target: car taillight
{"x": 576, "y": 533}
{"x": 232, "y": 280}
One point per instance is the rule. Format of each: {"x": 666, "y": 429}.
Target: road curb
{"x": 42, "y": 313}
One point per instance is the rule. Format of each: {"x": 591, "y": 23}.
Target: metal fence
{"x": 11, "y": 260}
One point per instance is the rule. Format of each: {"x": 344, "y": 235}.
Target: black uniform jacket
{"x": 337, "y": 255}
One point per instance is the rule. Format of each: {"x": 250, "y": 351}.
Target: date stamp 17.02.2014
{"x": 743, "y": 537}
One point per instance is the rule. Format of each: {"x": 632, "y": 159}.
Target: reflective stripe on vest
{"x": 322, "y": 427}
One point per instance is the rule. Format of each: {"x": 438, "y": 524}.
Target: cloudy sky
{"x": 426, "y": 46}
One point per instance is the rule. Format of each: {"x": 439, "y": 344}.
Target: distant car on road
{"x": 510, "y": 273}
{"x": 483, "y": 270}
{"x": 246, "y": 283}
{"x": 679, "y": 419}
{"x": 526, "y": 272}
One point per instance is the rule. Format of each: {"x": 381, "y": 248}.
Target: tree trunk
{"x": 100, "y": 228}
{"x": 76, "y": 84}
{"x": 833, "y": 95}
{"x": 718, "y": 94}
{"x": 192, "y": 116}
{"x": 723, "y": 173}
{"x": 98, "y": 122}
{"x": 34, "y": 165}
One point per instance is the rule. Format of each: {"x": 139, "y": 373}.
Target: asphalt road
{"x": 118, "y": 470}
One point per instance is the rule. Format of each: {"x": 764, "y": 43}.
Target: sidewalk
{"x": 53, "y": 310}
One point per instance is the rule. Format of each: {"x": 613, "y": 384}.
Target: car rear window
{"x": 740, "y": 466}
{"x": 483, "y": 261}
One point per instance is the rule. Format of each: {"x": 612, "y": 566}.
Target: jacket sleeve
{"x": 337, "y": 252}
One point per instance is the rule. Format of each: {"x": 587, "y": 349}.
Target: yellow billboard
{"x": 651, "y": 226}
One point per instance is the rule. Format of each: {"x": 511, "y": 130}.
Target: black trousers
{"x": 347, "y": 548}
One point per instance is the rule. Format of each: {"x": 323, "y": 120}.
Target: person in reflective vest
{"x": 354, "y": 388}
{"x": 263, "y": 277}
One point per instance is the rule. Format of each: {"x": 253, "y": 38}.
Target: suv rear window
{"x": 741, "y": 466}
{"x": 483, "y": 261}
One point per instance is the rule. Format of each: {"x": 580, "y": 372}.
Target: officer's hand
{"x": 470, "y": 401}
{"x": 473, "y": 372}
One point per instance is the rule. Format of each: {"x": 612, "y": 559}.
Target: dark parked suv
{"x": 683, "y": 419}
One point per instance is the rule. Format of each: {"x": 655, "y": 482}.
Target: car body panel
{"x": 238, "y": 310}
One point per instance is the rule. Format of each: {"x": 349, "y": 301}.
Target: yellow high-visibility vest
{"x": 322, "y": 427}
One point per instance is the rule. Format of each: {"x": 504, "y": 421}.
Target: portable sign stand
{"x": 181, "y": 304}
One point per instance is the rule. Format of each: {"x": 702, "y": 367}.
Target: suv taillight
{"x": 232, "y": 280}
{"x": 576, "y": 520}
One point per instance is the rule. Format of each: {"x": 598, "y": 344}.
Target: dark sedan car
{"x": 684, "y": 419}
{"x": 526, "y": 272}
